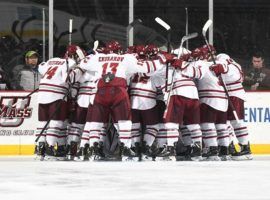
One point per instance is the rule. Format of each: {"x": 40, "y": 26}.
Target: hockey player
{"x": 85, "y": 96}
{"x": 52, "y": 97}
{"x": 183, "y": 107}
{"x": 213, "y": 108}
{"x": 144, "y": 111}
{"x": 233, "y": 79}
{"x": 112, "y": 96}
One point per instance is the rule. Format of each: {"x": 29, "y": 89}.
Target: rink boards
{"x": 18, "y": 124}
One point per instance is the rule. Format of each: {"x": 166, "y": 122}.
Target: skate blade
{"x": 225, "y": 158}
{"x": 196, "y": 158}
{"x": 128, "y": 159}
{"x": 167, "y": 158}
{"x": 145, "y": 158}
{"x": 242, "y": 158}
{"x": 39, "y": 158}
{"x": 212, "y": 158}
{"x": 180, "y": 158}
{"x": 50, "y": 158}
{"x": 70, "y": 158}
{"x": 61, "y": 159}
{"x": 81, "y": 159}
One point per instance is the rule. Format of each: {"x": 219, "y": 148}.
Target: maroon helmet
{"x": 102, "y": 50}
{"x": 75, "y": 52}
{"x": 196, "y": 54}
{"x": 140, "y": 50}
{"x": 114, "y": 47}
{"x": 151, "y": 50}
{"x": 131, "y": 49}
{"x": 205, "y": 51}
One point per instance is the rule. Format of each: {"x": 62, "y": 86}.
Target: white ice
{"x": 22, "y": 178}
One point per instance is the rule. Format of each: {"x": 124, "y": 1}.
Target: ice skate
{"x": 224, "y": 153}
{"x": 212, "y": 154}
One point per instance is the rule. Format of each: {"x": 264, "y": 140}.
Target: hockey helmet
{"x": 75, "y": 52}
{"x": 196, "y": 54}
{"x": 205, "y": 51}
{"x": 141, "y": 51}
{"x": 114, "y": 47}
{"x": 102, "y": 50}
{"x": 151, "y": 50}
{"x": 131, "y": 49}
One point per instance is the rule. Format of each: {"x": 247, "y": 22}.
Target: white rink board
{"x": 18, "y": 130}
{"x": 257, "y": 117}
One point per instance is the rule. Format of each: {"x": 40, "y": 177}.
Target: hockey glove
{"x": 177, "y": 63}
{"x": 169, "y": 57}
{"x": 218, "y": 69}
{"x": 186, "y": 57}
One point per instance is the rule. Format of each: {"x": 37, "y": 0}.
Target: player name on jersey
{"x": 111, "y": 58}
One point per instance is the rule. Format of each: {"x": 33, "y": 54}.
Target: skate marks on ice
{"x": 28, "y": 179}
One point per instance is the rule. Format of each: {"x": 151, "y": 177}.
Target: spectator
{"x": 258, "y": 77}
{"x": 4, "y": 82}
{"x": 27, "y": 77}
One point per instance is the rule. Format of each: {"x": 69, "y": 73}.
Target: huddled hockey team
{"x": 141, "y": 104}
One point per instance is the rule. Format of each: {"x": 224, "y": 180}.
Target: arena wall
{"x": 17, "y": 126}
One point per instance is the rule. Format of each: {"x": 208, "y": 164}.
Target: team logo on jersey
{"x": 13, "y": 110}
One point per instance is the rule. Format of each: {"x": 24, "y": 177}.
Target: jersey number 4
{"x": 50, "y": 72}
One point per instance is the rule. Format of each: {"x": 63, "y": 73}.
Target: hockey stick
{"x": 135, "y": 22}
{"x": 168, "y": 29}
{"x": 186, "y": 9}
{"x": 204, "y": 30}
{"x": 20, "y": 100}
{"x": 96, "y": 43}
{"x": 51, "y": 116}
{"x": 70, "y": 31}
{"x": 180, "y": 51}
{"x": 34, "y": 91}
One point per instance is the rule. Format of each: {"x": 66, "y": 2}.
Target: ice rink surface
{"x": 23, "y": 178}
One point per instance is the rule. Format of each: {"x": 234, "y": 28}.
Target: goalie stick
{"x": 204, "y": 30}
{"x": 180, "y": 51}
{"x": 168, "y": 29}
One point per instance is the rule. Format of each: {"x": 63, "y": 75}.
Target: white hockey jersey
{"x": 120, "y": 66}
{"x": 233, "y": 78}
{"x": 143, "y": 92}
{"x": 53, "y": 85}
{"x": 211, "y": 92}
{"x": 87, "y": 89}
{"x": 183, "y": 84}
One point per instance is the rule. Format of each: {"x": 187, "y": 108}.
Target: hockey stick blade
{"x": 162, "y": 23}
{"x": 185, "y": 38}
{"x": 96, "y": 43}
{"x": 206, "y": 26}
{"x": 189, "y": 36}
{"x": 135, "y": 22}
